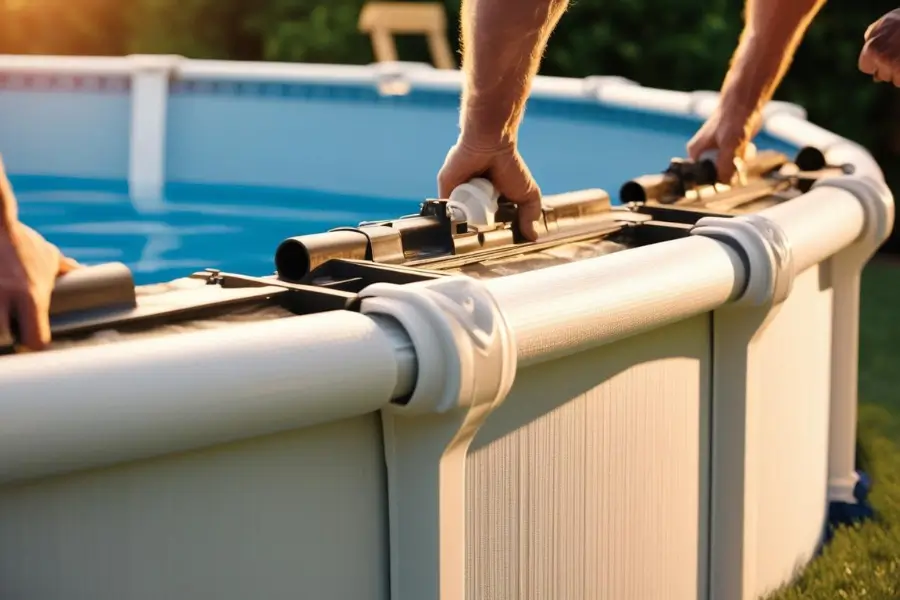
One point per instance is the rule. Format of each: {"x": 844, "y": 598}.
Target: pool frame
{"x": 684, "y": 281}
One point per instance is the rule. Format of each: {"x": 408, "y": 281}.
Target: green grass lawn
{"x": 864, "y": 562}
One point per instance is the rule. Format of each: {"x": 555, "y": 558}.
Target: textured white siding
{"x": 590, "y": 481}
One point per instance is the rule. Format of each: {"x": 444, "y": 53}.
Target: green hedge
{"x": 677, "y": 45}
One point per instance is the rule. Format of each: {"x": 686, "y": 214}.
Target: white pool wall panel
{"x": 301, "y": 512}
{"x": 771, "y": 393}
{"x": 591, "y": 479}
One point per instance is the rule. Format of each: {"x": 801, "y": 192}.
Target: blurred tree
{"x": 62, "y": 27}
{"x": 217, "y": 29}
{"x": 311, "y": 31}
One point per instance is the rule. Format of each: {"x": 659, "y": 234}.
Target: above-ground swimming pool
{"x": 668, "y": 418}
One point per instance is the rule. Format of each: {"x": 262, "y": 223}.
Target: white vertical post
{"x": 845, "y": 277}
{"x": 738, "y": 398}
{"x": 466, "y": 359}
{"x": 784, "y": 382}
{"x": 845, "y": 273}
{"x": 149, "y": 99}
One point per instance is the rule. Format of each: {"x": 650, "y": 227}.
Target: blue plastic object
{"x": 851, "y": 513}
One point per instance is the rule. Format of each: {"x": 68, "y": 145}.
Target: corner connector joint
{"x": 464, "y": 346}
{"x": 766, "y": 253}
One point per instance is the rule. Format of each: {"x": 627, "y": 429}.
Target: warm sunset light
{"x": 449, "y": 300}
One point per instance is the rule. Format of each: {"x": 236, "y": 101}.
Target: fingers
{"x": 867, "y": 61}
{"x": 704, "y": 144}
{"x": 726, "y": 152}
{"x": 506, "y": 170}
{"x": 6, "y": 333}
{"x": 880, "y": 55}
{"x": 459, "y": 167}
{"x": 67, "y": 264}
{"x": 514, "y": 181}
{"x": 529, "y": 214}
{"x": 871, "y": 28}
{"x": 32, "y": 321}
{"x": 447, "y": 182}
{"x": 700, "y": 144}
{"x": 725, "y": 163}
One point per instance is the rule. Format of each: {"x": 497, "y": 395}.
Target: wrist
{"x": 739, "y": 104}
{"x": 487, "y": 129}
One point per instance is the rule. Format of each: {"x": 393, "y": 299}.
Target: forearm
{"x": 502, "y": 42}
{"x": 773, "y": 30}
{"x": 8, "y": 207}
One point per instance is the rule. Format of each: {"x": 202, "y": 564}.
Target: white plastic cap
{"x": 477, "y": 200}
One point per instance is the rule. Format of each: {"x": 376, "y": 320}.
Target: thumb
{"x": 33, "y": 318}
{"x": 448, "y": 180}
{"x": 67, "y": 264}
{"x": 868, "y": 63}
{"x": 871, "y": 28}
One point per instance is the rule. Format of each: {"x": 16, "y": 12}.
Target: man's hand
{"x": 502, "y": 43}
{"x": 29, "y": 266}
{"x": 504, "y": 167}
{"x": 772, "y": 32}
{"x": 728, "y": 132}
{"x": 880, "y": 56}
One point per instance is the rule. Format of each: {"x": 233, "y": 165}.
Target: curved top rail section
{"x": 612, "y": 90}
{"x": 566, "y": 309}
{"x": 65, "y": 65}
{"x": 80, "y": 408}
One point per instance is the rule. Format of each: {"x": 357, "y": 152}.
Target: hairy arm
{"x": 773, "y": 30}
{"x": 502, "y": 41}
{"x": 8, "y": 207}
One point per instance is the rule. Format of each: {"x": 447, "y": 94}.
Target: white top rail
{"x": 78, "y": 408}
{"x": 66, "y": 65}
{"x": 570, "y": 308}
{"x": 390, "y": 78}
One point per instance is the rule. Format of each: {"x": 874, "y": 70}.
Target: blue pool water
{"x": 191, "y": 228}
